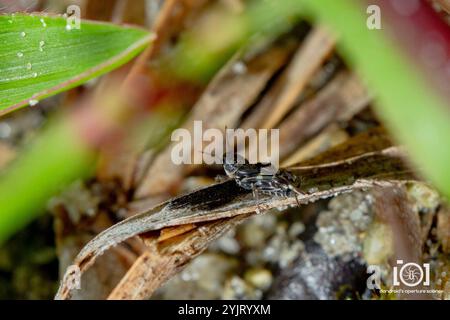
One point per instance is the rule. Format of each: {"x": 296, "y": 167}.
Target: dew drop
{"x": 41, "y": 46}
{"x": 29, "y": 66}
{"x": 43, "y": 23}
{"x": 239, "y": 68}
{"x": 313, "y": 190}
{"x": 5, "y": 130}
{"x": 33, "y": 102}
{"x": 19, "y": 54}
{"x": 68, "y": 27}
{"x": 35, "y": 75}
{"x": 23, "y": 34}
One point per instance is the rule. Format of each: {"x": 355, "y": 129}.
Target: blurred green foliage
{"x": 415, "y": 115}
{"x": 40, "y": 57}
{"x": 55, "y": 158}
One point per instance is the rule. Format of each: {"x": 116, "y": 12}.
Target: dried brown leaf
{"x": 172, "y": 232}
{"x": 339, "y": 101}
{"x": 392, "y": 206}
{"x": 226, "y": 200}
{"x": 162, "y": 261}
{"x": 222, "y": 104}
{"x": 308, "y": 59}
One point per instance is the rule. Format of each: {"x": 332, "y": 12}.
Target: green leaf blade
{"x": 39, "y": 57}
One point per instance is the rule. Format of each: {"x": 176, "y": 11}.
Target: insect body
{"x": 253, "y": 177}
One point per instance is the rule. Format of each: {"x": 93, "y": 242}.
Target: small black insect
{"x": 257, "y": 178}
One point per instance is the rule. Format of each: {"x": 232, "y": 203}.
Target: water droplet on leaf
{"x": 5, "y": 130}
{"x": 239, "y": 68}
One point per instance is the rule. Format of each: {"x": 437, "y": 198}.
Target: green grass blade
{"x": 40, "y": 57}
{"x": 56, "y": 158}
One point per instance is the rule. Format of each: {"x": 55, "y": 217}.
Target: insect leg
{"x": 256, "y": 196}
{"x": 296, "y": 193}
{"x": 296, "y": 199}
